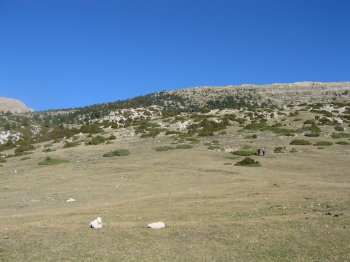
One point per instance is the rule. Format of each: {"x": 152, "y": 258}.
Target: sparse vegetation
{"x": 342, "y": 143}
{"x": 184, "y": 146}
{"x": 300, "y": 142}
{"x": 244, "y": 153}
{"x": 121, "y": 152}
{"x": 52, "y": 161}
{"x": 323, "y": 143}
{"x": 279, "y": 149}
{"x": 164, "y": 148}
{"x": 96, "y": 140}
{"x": 248, "y": 162}
{"x": 70, "y": 144}
{"x": 340, "y": 135}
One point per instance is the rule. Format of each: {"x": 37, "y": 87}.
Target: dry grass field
{"x": 295, "y": 207}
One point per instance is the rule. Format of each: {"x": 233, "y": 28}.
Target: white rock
{"x": 156, "y": 225}
{"x": 97, "y": 223}
{"x": 71, "y": 200}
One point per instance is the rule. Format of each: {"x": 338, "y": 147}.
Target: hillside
{"x": 13, "y": 105}
{"x": 196, "y": 165}
{"x": 198, "y": 172}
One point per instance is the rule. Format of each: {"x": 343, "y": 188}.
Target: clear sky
{"x": 70, "y": 53}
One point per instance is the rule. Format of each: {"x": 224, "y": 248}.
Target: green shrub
{"x": 251, "y": 137}
{"x": 96, "y": 140}
{"x": 122, "y": 152}
{"x": 47, "y": 150}
{"x": 70, "y": 144}
{"x": 3, "y": 160}
{"x": 293, "y": 150}
{"x": 164, "y": 148}
{"x": 279, "y": 149}
{"x": 312, "y": 135}
{"x": 248, "y": 162}
{"x": 342, "y": 143}
{"x": 52, "y": 161}
{"x": 25, "y": 158}
{"x": 323, "y": 143}
{"x": 340, "y": 135}
{"x": 23, "y": 147}
{"x": 244, "y": 153}
{"x": 300, "y": 142}
{"x": 184, "y": 146}
{"x": 339, "y": 128}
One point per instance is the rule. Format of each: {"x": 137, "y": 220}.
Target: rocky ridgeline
{"x": 13, "y": 105}
{"x": 272, "y": 94}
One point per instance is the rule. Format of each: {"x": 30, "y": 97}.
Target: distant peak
{"x": 13, "y": 105}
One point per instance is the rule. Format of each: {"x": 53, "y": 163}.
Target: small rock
{"x": 71, "y": 200}
{"x": 156, "y": 225}
{"x": 97, "y": 223}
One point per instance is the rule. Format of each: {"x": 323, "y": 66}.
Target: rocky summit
{"x": 13, "y": 105}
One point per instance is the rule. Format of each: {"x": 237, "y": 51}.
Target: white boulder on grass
{"x": 97, "y": 223}
{"x": 71, "y": 200}
{"x": 156, "y": 225}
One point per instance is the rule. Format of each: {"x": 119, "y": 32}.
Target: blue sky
{"x": 70, "y": 53}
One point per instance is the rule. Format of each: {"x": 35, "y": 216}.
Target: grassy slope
{"x": 213, "y": 212}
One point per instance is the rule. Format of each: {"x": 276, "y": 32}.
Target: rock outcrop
{"x": 13, "y": 105}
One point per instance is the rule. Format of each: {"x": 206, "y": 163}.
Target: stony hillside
{"x": 266, "y": 95}
{"x": 201, "y": 111}
{"x": 13, "y": 105}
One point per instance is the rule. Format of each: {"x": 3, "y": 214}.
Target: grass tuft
{"x": 52, "y": 161}
{"x": 122, "y": 152}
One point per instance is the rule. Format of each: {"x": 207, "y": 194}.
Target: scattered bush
{"x": 340, "y": 135}
{"x": 164, "y": 148}
{"x": 184, "y": 146}
{"x": 312, "y": 134}
{"x": 342, "y": 143}
{"x": 96, "y": 140}
{"x": 323, "y": 143}
{"x": 300, "y": 142}
{"x": 248, "y": 162}
{"x": 52, "y": 161}
{"x": 23, "y": 147}
{"x": 121, "y": 152}
{"x": 339, "y": 128}
{"x": 70, "y": 144}
{"x": 3, "y": 160}
{"x": 25, "y": 158}
{"x": 47, "y": 150}
{"x": 293, "y": 150}
{"x": 251, "y": 137}
{"x": 279, "y": 149}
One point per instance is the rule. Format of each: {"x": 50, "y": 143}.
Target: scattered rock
{"x": 156, "y": 225}
{"x": 97, "y": 223}
{"x": 71, "y": 200}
